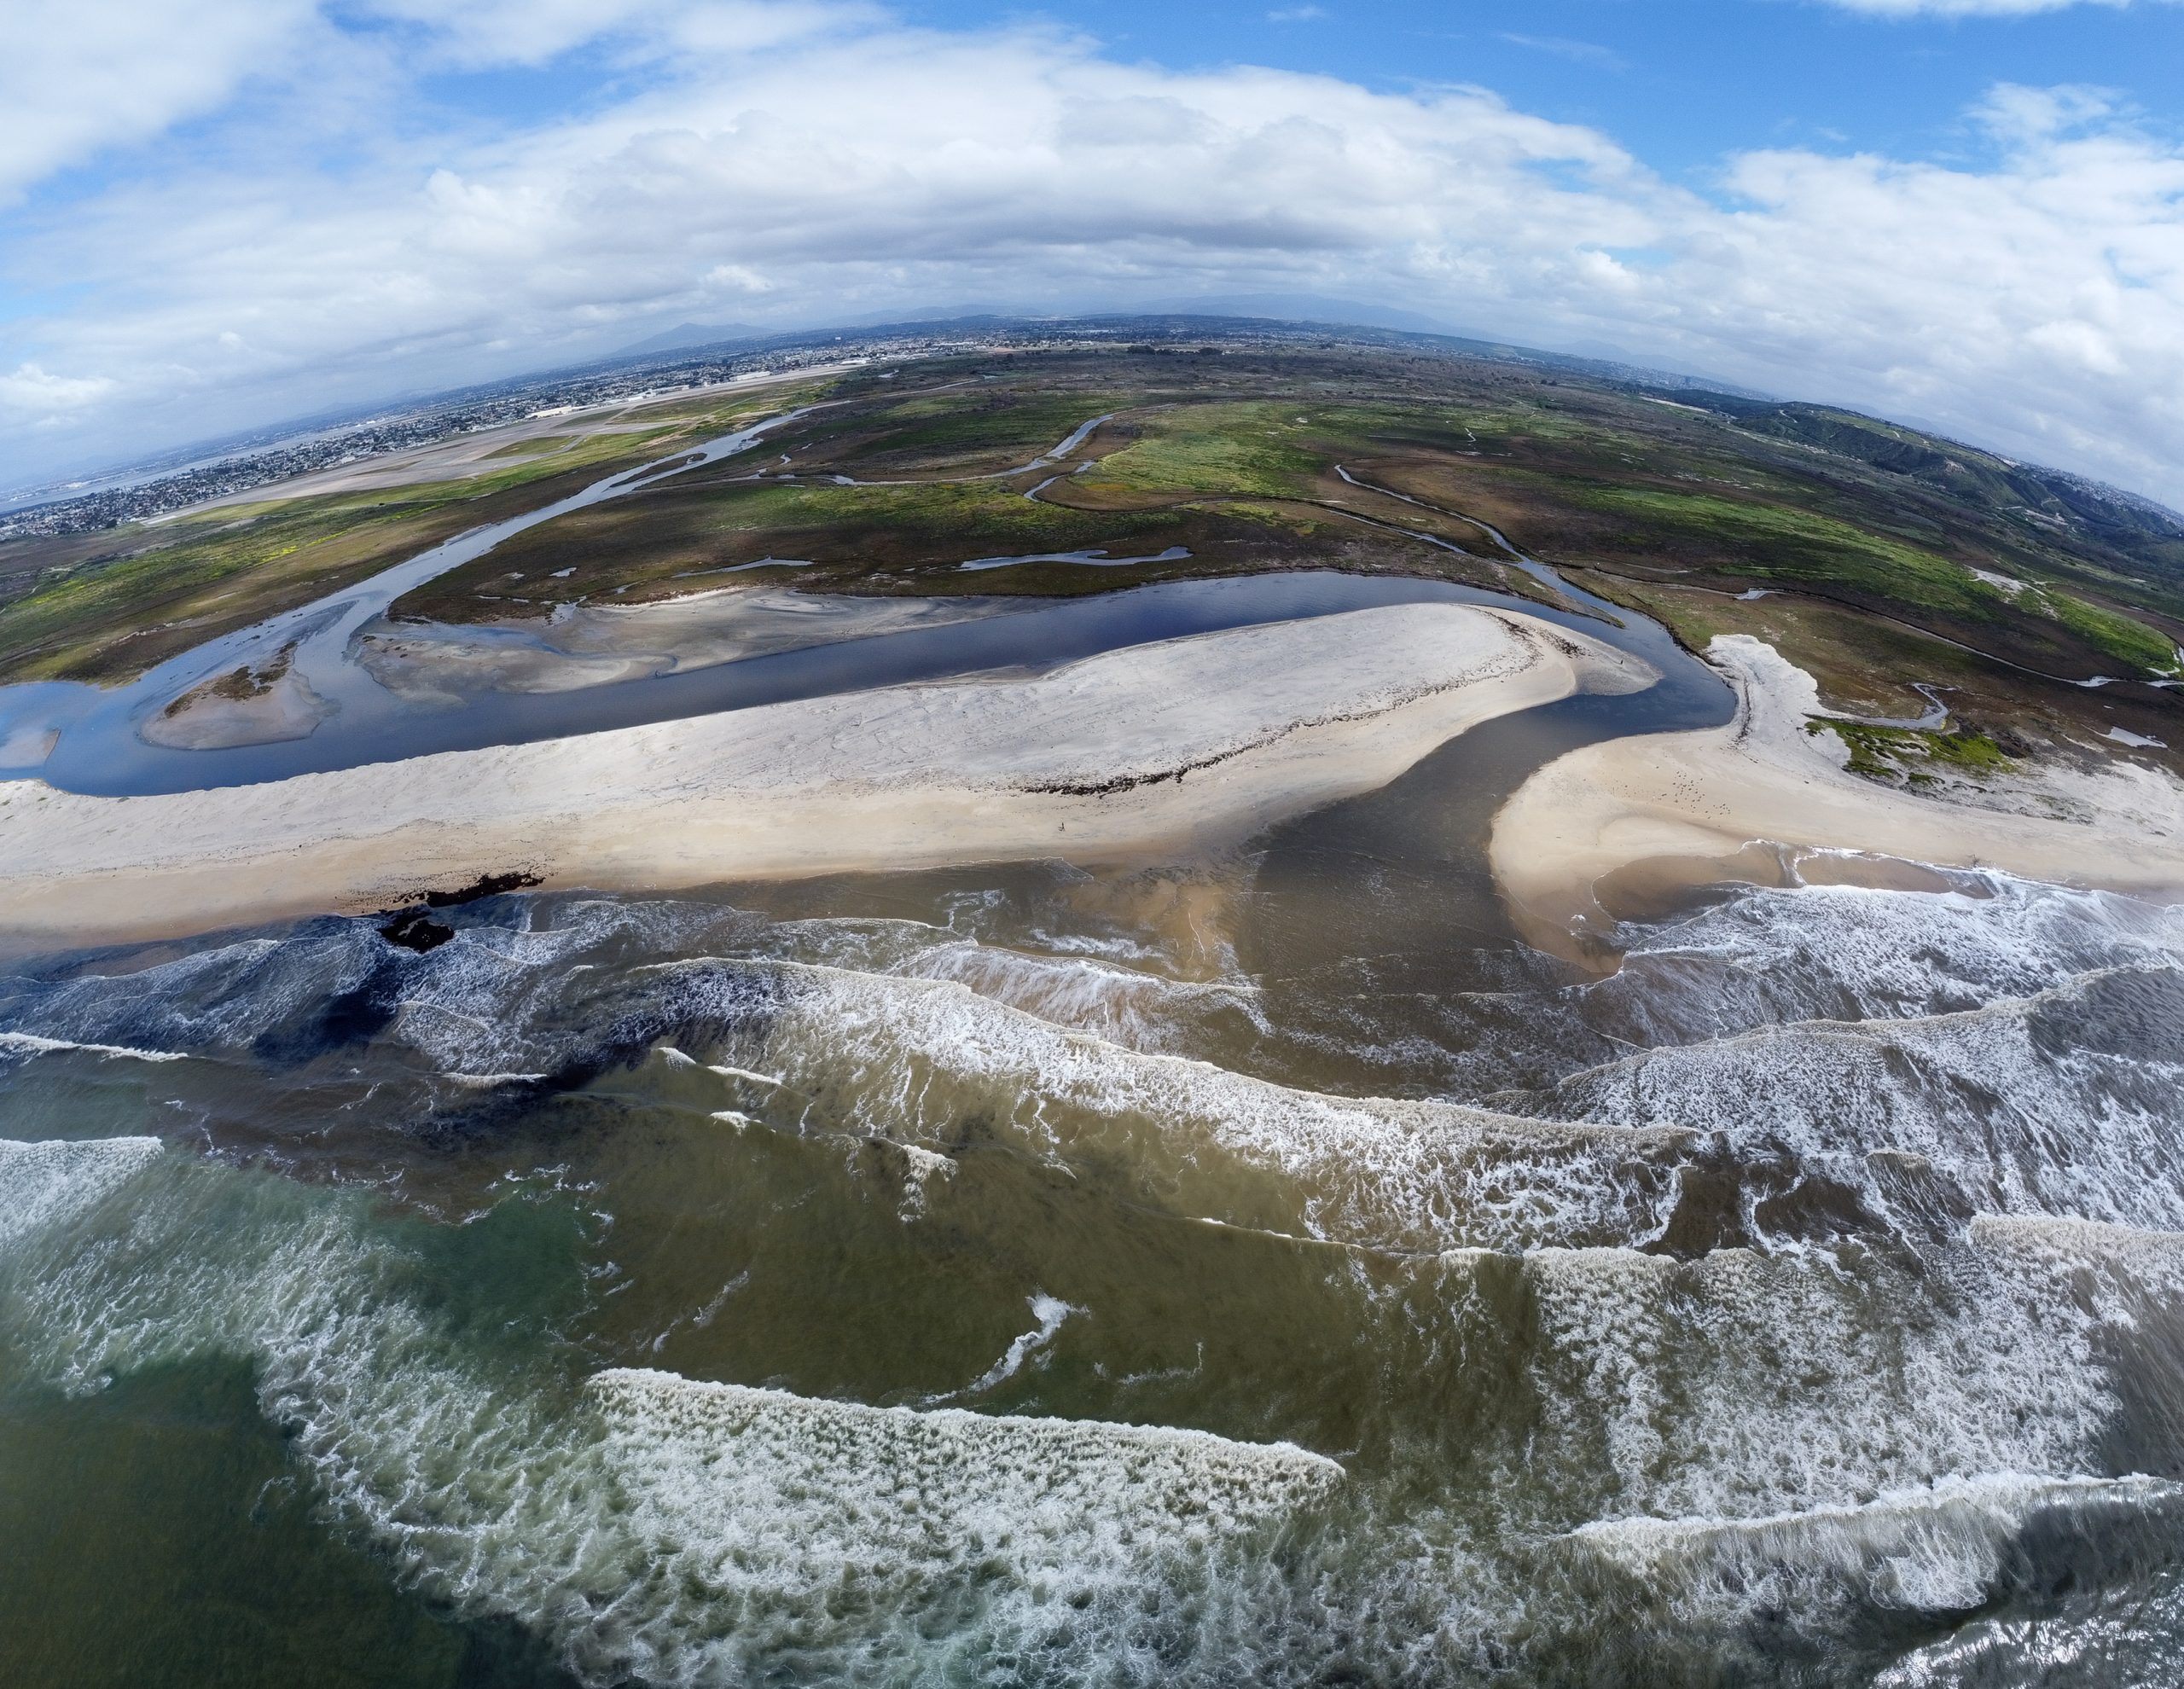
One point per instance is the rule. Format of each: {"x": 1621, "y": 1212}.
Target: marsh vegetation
{"x": 1873, "y": 555}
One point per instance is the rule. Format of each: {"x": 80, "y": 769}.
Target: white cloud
{"x": 75, "y": 79}
{"x": 1580, "y": 52}
{"x": 1965, "y": 9}
{"x": 2016, "y": 115}
{"x": 44, "y": 399}
{"x": 483, "y": 32}
{"x": 815, "y": 170}
{"x": 2039, "y": 304}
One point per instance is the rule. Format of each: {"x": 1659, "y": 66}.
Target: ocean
{"x": 1266, "y": 1270}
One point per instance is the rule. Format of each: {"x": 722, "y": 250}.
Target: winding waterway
{"x": 100, "y": 746}
{"x": 1257, "y": 1271}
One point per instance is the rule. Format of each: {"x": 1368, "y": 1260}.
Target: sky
{"x": 1968, "y": 214}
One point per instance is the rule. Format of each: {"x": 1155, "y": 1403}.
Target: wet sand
{"x": 585, "y": 644}
{"x": 1192, "y": 743}
{"x": 240, "y": 708}
{"x": 1613, "y": 828}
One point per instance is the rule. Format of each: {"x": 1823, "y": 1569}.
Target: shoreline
{"x": 1627, "y": 825}
{"x": 1193, "y": 743}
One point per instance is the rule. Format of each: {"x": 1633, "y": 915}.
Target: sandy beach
{"x": 1615, "y": 826}
{"x": 1196, "y": 740}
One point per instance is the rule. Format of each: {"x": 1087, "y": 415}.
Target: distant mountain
{"x": 693, "y": 334}
{"x": 1300, "y": 308}
{"x": 987, "y": 312}
{"x": 1609, "y": 363}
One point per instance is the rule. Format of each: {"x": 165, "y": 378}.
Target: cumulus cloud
{"x": 75, "y": 79}
{"x": 825, "y": 164}
{"x": 2040, "y": 303}
{"x": 30, "y": 388}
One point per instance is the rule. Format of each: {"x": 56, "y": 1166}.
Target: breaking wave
{"x": 2064, "y": 1102}
{"x": 1809, "y": 1287}
{"x": 1761, "y": 957}
{"x": 654, "y": 1526}
{"x": 676, "y": 1531}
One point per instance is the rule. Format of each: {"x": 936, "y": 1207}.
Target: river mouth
{"x": 1262, "y": 1268}
{"x": 104, "y": 752}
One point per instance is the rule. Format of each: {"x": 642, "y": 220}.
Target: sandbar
{"x": 242, "y": 707}
{"x": 585, "y": 644}
{"x": 1123, "y": 756}
{"x": 1764, "y": 801}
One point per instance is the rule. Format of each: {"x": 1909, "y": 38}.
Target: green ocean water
{"x": 1260, "y": 1271}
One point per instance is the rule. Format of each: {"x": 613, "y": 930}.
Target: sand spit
{"x": 1203, "y": 739}
{"x": 1621, "y": 821}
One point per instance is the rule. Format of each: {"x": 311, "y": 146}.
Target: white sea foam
{"x": 920, "y": 1168}
{"x": 2066, "y": 1237}
{"x": 45, "y": 1184}
{"x": 1125, "y": 1005}
{"x": 660, "y": 1530}
{"x": 2124, "y": 1277}
{"x": 908, "y": 1059}
{"x": 772, "y": 1080}
{"x": 1739, "y": 1386}
{"x": 2070, "y": 1101}
{"x": 1735, "y": 1425}
{"x": 489, "y": 1002}
{"x": 1934, "y": 1547}
{"x": 29, "y": 1044}
{"x": 2091, "y": 1643}
{"x": 653, "y": 1527}
{"x": 760, "y": 1513}
{"x": 505, "y": 997}
{"x": 1853, "y": 953}
{"x": 1050, "y": 1312}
